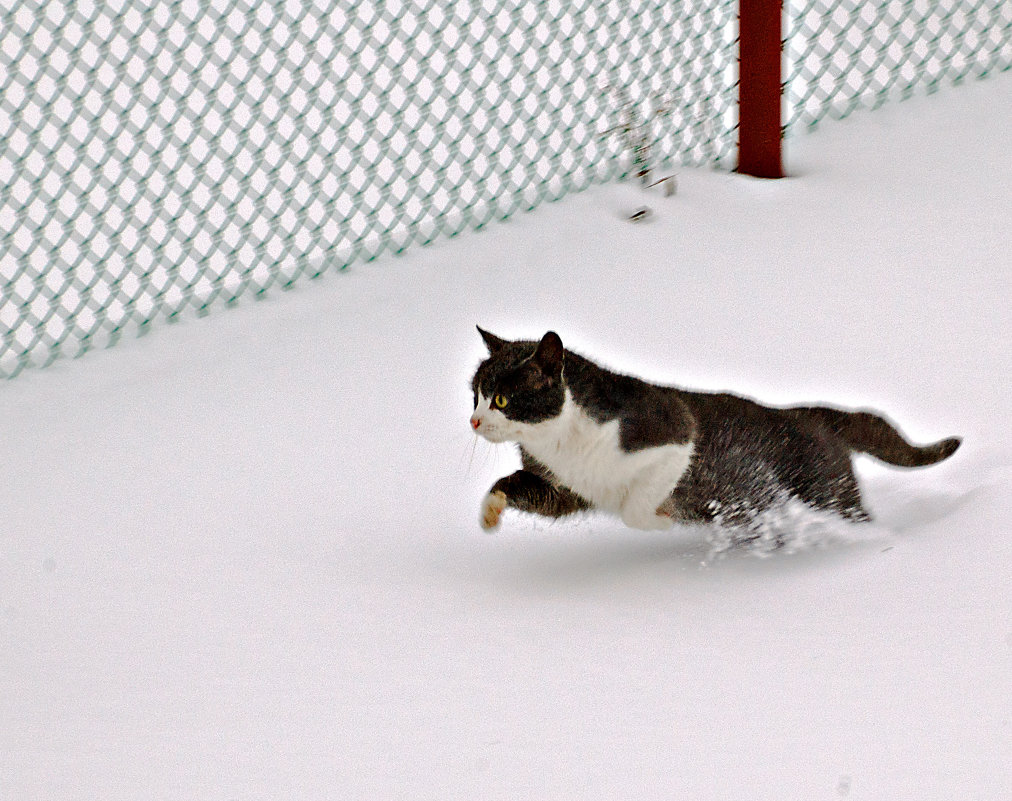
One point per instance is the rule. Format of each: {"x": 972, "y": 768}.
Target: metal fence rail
{"x": 848, "y": 54}
{"x": 160, "y": 157}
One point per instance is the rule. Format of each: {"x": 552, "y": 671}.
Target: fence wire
{"x": 159, "y": 158}
{"x": 162, "y": 157}
{"x": 847, "y": 54}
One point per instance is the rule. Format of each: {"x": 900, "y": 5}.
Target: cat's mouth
{"x": 491, "y": 434}
{"x": 487, "y": 429}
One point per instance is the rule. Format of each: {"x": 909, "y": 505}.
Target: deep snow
{"x": 240, "y": 557}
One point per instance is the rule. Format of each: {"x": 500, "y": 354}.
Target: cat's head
{"x": 520, "y": 384}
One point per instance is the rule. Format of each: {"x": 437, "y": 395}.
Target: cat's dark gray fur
{"x": 746, "y": 457}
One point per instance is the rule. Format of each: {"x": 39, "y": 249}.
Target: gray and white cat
{"x": 654, "y": 455}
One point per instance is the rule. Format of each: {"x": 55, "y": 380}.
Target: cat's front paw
{"x": 647, "y": 520}
{"x": 491, "y": 508}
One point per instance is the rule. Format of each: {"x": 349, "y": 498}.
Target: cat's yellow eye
{"x": 501, "y": 401}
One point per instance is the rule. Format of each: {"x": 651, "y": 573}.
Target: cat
{"x": 654, "y": 455}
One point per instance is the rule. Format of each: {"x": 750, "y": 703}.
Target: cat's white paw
{"x": 646, "y": 519}
{"x": 491, "y": 508}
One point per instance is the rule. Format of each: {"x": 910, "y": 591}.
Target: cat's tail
{"x": 867, "y": 432}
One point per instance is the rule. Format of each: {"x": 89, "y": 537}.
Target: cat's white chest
{"x": 586, "y": 456}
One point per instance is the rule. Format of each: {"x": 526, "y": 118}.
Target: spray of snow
{"x": 787, "y": 527}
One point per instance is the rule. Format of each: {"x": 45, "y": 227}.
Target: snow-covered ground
{"x": 240, "y": 557}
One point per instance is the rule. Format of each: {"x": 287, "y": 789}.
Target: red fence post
{"x": 760, "y": 36}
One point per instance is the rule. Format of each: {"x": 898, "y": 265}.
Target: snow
{"x": 241, "y": 556}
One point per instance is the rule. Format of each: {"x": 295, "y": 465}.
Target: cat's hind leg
{"x": 528, "y": 492}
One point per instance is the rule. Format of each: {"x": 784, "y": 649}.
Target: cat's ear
{"x": 549, "y": 355}
{"x": 492, "y": 342}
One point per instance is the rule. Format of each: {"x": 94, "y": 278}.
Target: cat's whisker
{"x": 466, "y": 462}
{"x": 470, "y": 458}
{"x": 471, "y": 453}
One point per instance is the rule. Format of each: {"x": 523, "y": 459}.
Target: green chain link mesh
{"x": 164, "y": 157}
{"x": 847, "y": 54}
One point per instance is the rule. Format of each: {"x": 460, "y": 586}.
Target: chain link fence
{"x": 847, "y": 54}
{"x": 162, "y": 157}
{"x": 159, "y": 158}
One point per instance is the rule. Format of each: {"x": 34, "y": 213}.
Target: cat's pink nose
{"x": 475, "y": 422}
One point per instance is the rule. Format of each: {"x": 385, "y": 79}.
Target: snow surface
{"x": 240, "y": 557}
